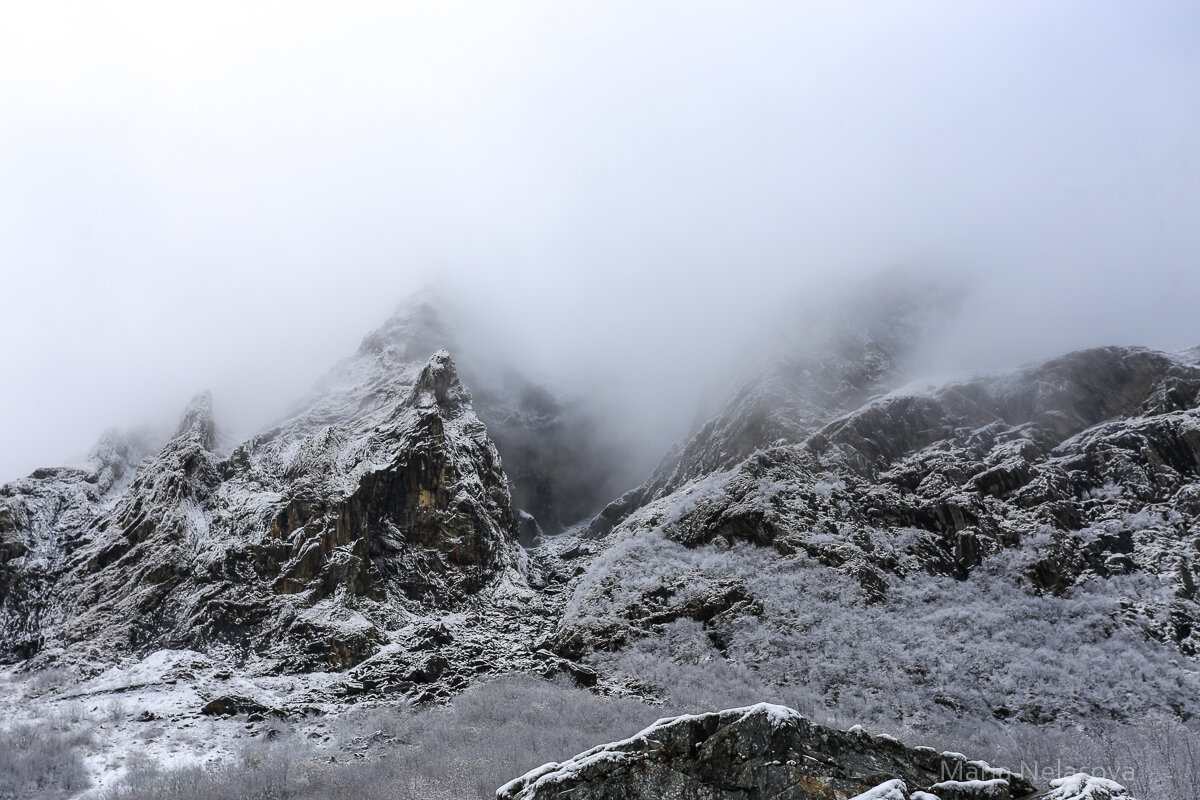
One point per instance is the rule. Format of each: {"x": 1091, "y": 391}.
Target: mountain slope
{"x": 826, "y": 359}
{"x": 1016, "y": 547}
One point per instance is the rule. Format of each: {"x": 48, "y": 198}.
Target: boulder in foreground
{"x": 768, "y": 751}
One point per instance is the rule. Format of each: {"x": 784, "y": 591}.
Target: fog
{"x": 619, "y": 194}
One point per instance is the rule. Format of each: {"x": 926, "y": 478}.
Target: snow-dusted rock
{"x": 759, "y": 751}
{"x": 379, "y": 501}
{"x": 1018, "y": 547}
{"x": 891, "y": 790}
{"x": 1077, "y": 475}
{"x": 1084, "y": 787}
{"x": 835, "y": 359}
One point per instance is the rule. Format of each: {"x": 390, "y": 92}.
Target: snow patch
{"x": 892, "y": 790}
{"x": 1082, "y": 786}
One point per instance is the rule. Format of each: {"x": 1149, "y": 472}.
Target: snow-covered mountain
{"x": 299, "y": 547}
{"x": 1018, "y": 547}
{"x": 1008, "y": 549}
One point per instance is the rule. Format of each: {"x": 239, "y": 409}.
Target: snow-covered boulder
{"x": 1084, "y": 787}
{"x": 762, "y": 751}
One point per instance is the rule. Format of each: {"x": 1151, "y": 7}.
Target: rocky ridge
{"x": 1083, "y": 469}
{"x": 371, "y": 534}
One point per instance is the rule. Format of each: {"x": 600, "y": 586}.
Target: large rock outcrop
{"x": 768, "y": 752}
{"x": 562, "y": 460}
{"x": 372, "y": 531}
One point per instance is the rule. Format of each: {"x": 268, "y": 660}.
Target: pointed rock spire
{"x": 438, "y": 384}
{"x": 197, "y": 421}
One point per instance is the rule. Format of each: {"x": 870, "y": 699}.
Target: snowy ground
{"x": 150, "y": 710}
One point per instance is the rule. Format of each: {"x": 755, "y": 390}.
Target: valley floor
{"x": 139, "y": 732}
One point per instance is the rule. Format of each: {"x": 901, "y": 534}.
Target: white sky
{"x": 229, "y": 195}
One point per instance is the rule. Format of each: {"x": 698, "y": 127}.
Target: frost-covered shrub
{"x": 489, "y": 735}
{"x": 934, "y": 650}
{"x": 1156, "y": 757}
{"x": 985, "y": 665}
{"x": 38, "y": 761}
{"x": 499, "y": 730}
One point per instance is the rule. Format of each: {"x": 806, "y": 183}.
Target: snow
{"x": 892, "y": 790}
{"x": 532, "y": 776}
{"x": 1082, "y": 786}
{"x": 828, "y": 484}
{"x": 150, "y": 707}
{"x": 778, "y": 716}
{"x": 996, "y": 787}
{"x": 570, "y": 769}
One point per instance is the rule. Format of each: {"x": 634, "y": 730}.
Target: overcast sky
{"x": 230, "y": 195}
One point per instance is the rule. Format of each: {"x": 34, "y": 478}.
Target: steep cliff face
{"x": 562, "y": 459}
{"x": 42, "y": 519}
{"x": 302, "y": 547}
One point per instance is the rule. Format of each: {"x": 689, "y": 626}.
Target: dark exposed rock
{"x": 554, "y": 664}
{"x": 231, "y": 705}
{"x": 562, "y": 462}
{"x": 761, "y": 752}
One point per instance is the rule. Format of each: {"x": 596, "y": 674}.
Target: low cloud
{"x": 624, "y": 193}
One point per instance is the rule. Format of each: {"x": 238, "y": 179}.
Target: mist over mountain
{"x": 221, "y": 199}
{"x": 418, "y": 526}
{"x": 419, "y": 400}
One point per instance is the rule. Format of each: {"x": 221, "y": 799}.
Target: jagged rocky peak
{"x": 562, "y": 460}
{"x": 438, "y": 383}
{"x": 301, "y": 549}
{"x": 197, "y": 421}
{"x": 772, "y": 751}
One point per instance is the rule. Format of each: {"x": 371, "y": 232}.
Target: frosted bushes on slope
{"x": 41, "y": 762}
{"x": 511, "y": 725}
{"x": 462, "y": 751}
{"x": 933, "y": 650}
{"x": 934, "y": 653}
